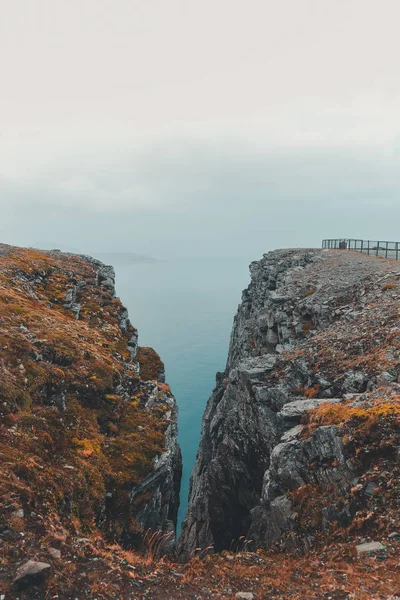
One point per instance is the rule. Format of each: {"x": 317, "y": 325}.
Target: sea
{"x": 184, "y": 309}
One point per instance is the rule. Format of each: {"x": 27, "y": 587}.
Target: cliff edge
{"x": 300, "y": 440}
{"x": 88, "y": 426}
{"x": 299, "y": 456}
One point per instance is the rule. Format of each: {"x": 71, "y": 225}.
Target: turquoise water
{"x": 184, "y": 308}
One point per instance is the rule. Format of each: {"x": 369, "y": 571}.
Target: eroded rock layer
{"x": 302, "y": 428}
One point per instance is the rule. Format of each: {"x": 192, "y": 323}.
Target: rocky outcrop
{"x": 162, "y": 487}
{"x": 88, "y": 426}
{"x": 291, "y": 468}
{"x": 314, "y": 329}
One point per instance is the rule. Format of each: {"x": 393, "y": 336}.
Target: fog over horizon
{"x": 170, "y": 129}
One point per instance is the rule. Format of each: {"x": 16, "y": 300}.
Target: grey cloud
{"x": 193, "y": 197}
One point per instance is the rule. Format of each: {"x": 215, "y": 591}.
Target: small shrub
{"x": 151, "y": 366}
{"x": 362, "y": 419}
{"x": 310, "y": 392}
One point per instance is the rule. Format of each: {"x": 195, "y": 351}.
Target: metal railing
{"x": 373, "y": 248}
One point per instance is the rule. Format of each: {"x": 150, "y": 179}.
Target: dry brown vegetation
{"x": 151, "y": 366}
{"x": 73, "y": 418}
{"x": 74, "y": 425}
{"x": 92, "y": 569}
{"x": 360, "y": 418}
{"x": 370, "y": 431}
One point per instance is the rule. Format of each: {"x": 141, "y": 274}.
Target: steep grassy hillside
{"x": 87, "y": 423}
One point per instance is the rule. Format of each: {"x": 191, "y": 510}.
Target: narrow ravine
{"x": 185, "y": 308}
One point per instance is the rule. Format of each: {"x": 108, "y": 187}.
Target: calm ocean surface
{"x": 184, "y": 309}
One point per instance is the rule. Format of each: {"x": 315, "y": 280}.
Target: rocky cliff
{"x": 300, "y": 440}
{"x": 88, "y": 426}
{"x": 299, "y": 452}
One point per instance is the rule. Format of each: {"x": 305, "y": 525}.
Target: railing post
{"x": 364, "y": 246}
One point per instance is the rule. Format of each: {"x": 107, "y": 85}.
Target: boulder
{"x": 293, "y": 411}
{"x": 31, "y": 573}
{"x": 370, "y": 547}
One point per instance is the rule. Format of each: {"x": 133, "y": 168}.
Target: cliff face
{"x": 299, "y": 451}
{"x": 88, "y": 426}
{"x": 300, "y": 438}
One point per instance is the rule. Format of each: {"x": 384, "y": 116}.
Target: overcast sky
{"x": 171, "y": 127}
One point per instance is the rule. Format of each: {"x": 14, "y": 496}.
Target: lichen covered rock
{"x": 307, "y": 408}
